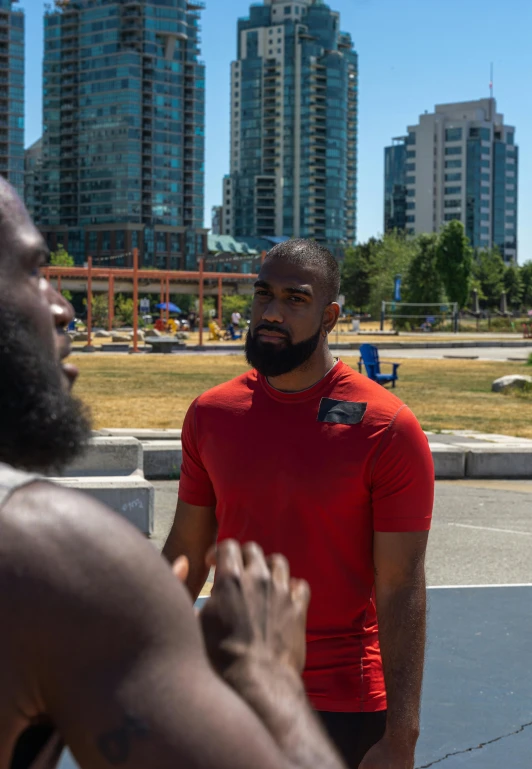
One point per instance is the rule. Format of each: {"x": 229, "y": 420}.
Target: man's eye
{"x": 261, "y": 293}
{"x": 295, "y": 299}
{"x": 36, "y": 272}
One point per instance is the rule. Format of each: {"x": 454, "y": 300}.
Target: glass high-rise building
{"x": 461, "y": 162}
{"x": 124, "y": 124}
{"x": 12, "y": 95}
{"x": 294, "y": 97}
{"x": 394, "y": 186}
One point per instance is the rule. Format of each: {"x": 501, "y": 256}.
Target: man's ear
{"x": 330, "y": 317}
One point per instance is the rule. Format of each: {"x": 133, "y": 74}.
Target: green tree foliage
{"x": 526, "y": 278}
{"x": 513, "y": 285}
{"x": 235, "y": 303}
{"x": 123, "y": 311}
{"x": 61, "y": 258}
{"x": 488, "y": 277}
{"x": 356, "y": 274}
{"x": 100, "y": 310}
{"x": 455, "y": 262}
{"x": 424, "y": 282}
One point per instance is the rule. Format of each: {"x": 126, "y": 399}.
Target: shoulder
{"x": 53, "y": 536}
{"x": 381, "y": 404}
{"x": 227, "y": 394}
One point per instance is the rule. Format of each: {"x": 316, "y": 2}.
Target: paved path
{"x": 477, "y": 710}
{"x": 476, "y": 353}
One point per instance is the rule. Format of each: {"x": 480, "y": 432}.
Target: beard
{"x": 42, "y": 427}
{"x": 273, "y": 360}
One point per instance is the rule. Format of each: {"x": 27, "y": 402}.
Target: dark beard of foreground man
{"x": 271, "y": 361}
{"x": 43, "y": 427}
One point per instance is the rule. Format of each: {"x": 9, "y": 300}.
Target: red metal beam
{"x": 135, "y": 300}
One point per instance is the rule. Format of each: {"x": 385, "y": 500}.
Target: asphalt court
{"x": 477, "y": 700}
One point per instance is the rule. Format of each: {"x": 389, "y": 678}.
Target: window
{"x": 411, "y": 138}
{"x": 453, "y": 150}
{"x": 485, "y": 163}
{"x": 484, "y": 177}
{"x": 484, "y": 230}
{"x": 509, "y": 138}
{"x": 452, "y": 217}
{"x": 456, "y": 177}
{"x": 409, "y": 167}
{"x": 287, "y": 10}
{"x": 453, "y": 190}
{"x": 411, "y": 154}
{"x": 410, "y": 180}
{"x": 410, "y": 206}
{"x": 453, "y": 134}
{"x": 410, "y": 193}
{"x": 484, "y": 217}
{"x": 453, "y": 164}
{"x": 297, "y": 10}
{"x": 453, "y": 203}
{"x": 278, "y": 50}
{"x": 410, "y": 219}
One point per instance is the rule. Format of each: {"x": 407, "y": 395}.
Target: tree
{"x": 455, "y": 262}
{"x": 356, "y": 274}
{"x": 61, "y": 258}
{"x": 123, "y": 311}
{"x": 392, "y": 256}
{"x": 488, "y": 274}
{"x": 235, "y": 303}
{"x": 526, "y": 279}
{"x": 424, "y": 283}
{"x": 513, "y": 285}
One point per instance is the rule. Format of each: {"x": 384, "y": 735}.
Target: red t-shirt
{"x": 312, "y": 475}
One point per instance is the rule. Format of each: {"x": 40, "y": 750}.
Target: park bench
{"x": 369, "y": 356}
{"x": 164, "y": 344}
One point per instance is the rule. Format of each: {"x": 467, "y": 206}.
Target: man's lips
{"x": 70, "y": 371}
{"x": 271, "y": 337}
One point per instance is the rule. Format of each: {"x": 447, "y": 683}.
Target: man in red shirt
{"x": 317, "y": 462}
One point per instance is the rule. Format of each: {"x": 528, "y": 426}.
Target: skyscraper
{"x": 32, "y": 179}
{"x": 294, "y": 96}
{"x": 461, "y": 162}
{"x": 123, "y": 141}
{"x": 12, "y": 95}
{"x": 394, "y": 186}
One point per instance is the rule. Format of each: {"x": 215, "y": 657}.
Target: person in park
{"x": 319, "y": 463}
{"x": 100, "y": 648}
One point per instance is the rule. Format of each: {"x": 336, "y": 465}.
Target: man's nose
{"x": 61, "y": 309}
{"x": 272, "y": 312}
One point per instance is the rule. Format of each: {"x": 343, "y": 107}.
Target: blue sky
{"x": 413, "y": 54}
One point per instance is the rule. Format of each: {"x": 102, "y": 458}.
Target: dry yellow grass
{"x": 155, "y": 391}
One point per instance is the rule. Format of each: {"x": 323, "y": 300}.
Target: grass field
{"x": 155, "y": 391}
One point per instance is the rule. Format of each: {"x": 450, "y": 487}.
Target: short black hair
{"x": 308, "y": 253}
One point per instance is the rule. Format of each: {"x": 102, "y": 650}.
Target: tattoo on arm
{"x": 115, "y": 746}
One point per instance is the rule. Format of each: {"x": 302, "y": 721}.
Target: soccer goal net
{"x": 423, "y": 316}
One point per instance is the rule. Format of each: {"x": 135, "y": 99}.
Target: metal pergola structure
{"x": 164, "y": 277}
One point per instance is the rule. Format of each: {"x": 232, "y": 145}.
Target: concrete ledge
{"x": 130, "y": 496}
{"x": 106, "y": 456}
{"x": 141, "y": 434}
{"x": 498, "y": 462}
{"x": 162, "y": 459}
{"x": 449, "y": 461}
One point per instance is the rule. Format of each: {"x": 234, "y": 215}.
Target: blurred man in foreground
{"x": 100, "y": 649}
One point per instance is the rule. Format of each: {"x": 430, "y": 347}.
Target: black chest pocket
{"x": 341, "y": 412}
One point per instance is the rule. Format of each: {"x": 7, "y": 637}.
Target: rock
{"x": 122, "y": 337}
{"x": 101, "y": 334}
{"x": 155, "y": 332}
{"x": 512, "y": 381}
{"x": 81, "y": 337}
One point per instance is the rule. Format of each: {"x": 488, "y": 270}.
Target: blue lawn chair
{"x": 369, "y": 355}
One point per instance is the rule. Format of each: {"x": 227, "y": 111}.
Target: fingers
{"x": 280, "y": 571}
{"x": 254, "y": 560}
{"x": 180, "y": 568}
{"x": 300, "y": 592}
{"x": 229, "y": 562}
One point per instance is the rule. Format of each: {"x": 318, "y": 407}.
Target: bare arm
{"x": 110, "y": 645}
{"x": 401, "y": 608}
{"x": 193, "y": 532}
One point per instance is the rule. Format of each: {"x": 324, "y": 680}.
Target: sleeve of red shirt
{"x": 195, "y": 486}
{"x": 403, "y": 477}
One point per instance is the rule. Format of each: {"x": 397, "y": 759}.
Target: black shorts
{"x": 354, "y": 733}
